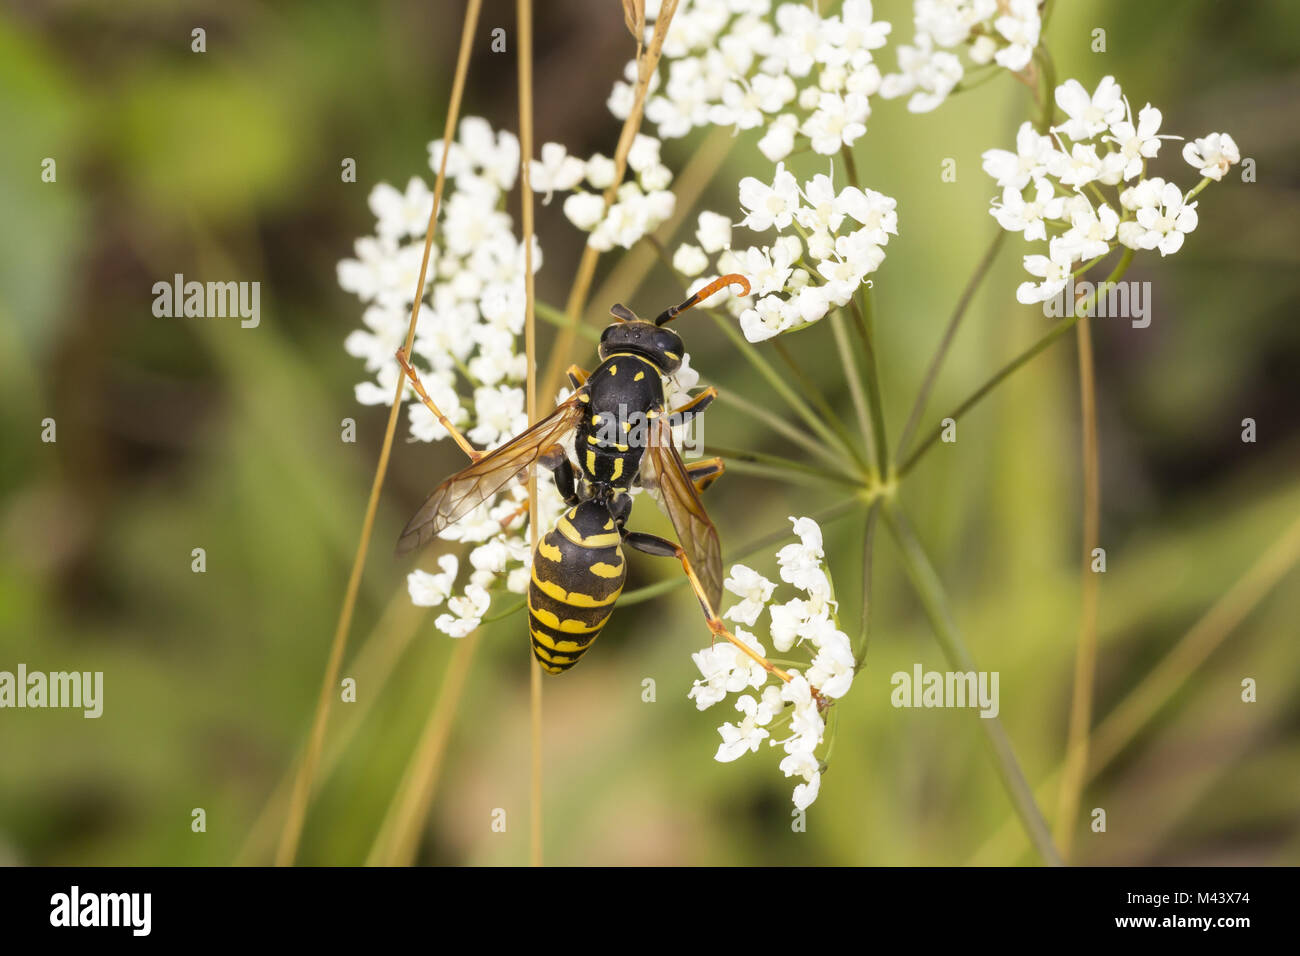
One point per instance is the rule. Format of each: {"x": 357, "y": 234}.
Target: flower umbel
{"x": 795, "y": 707}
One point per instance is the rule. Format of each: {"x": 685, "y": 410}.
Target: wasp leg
{"x": 662, "y": 547}
{"x": 696, "y": 406}
{"x": 565, "y": 482}
{"x": 473, "y": 453}
{"x": 577, "y": 376}
{"x": 705, "y": 472}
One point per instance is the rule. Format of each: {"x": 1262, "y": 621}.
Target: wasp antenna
{"x": 621, "y": 312}
{"x": 716, "y": 285}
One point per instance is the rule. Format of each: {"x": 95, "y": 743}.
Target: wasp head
{"x": 662, "y": 346}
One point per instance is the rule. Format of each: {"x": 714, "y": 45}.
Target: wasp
{"x": 622, "y": 437}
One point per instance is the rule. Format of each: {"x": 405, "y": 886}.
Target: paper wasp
{"x": 622, "y": 437}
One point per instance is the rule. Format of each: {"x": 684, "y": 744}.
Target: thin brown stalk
{"x": 292, "y": 833}
{"x": 1154, "y": 691}
{"x": 1085, "y": 662}
{"x": 524, "y": 12}
{"x": 373, "y": 664}
{"x": 399, "y": 835}
{"x": 648, "y": 62}
{"x": 630, "y": 271}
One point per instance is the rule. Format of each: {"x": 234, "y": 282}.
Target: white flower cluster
{"x": 1051, "y": 185}
{"x": 808, "y": 622}
{"x": 838, "y": 240}
{"x": 794, "y": 74}
{"x": 993, "y": 33}
{"x": 468, "y": 337}
{"x": 640, "y": 205}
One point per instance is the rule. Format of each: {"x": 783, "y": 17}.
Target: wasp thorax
{"x": 662, "y": 346}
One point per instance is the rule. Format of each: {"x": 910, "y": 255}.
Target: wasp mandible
{"x": 622, "y": 438}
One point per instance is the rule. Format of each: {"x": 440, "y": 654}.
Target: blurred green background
{"x": 182, "y": 433}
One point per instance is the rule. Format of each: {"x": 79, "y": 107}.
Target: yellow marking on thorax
{"x": 613, "y": 370}
{"x": 639, "y": 376}
{"x": 618, "y": 465}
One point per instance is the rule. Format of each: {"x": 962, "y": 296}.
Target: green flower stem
{"x": 941, "y": 353}
{"x": 1056, "y": 332}
{"x": 864, "y": 313}
{"x": 781, "y": 426}
{"x": 513, "y": 608}
{"x": 649, "y": 591}
{"x": 877, "y": 442}
{"x": 761, "y": 365}
{"x": 931, "y": 594}
{"x": 818, "y": 399}
{"x": 850, "y": 166}
{"x": 558, "y": 318}
{"x": 1048, "y": 105}
{"x": 855, "y": 386}
{"x": 868, "y": 549}
{"x": 778, "y": 383}
{"x": 1195, "y": 189}
{"x": 735, "y": 457}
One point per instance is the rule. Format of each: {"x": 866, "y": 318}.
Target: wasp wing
{"x": 466, "y": 490}
{"x": 665, "y": 477}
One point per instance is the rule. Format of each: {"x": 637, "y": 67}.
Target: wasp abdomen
{"x": 578, "y": 573}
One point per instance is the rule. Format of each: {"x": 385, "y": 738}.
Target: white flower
{"x": 690, "y": 260}
{"x": 714, "y": 232}
{"x": 584, "y": 210}
{"x": 802, "y": 763}
{"x": 1091, "y": 231}
{"x": 838, "y": 121}
{"x": 1077, "y": 168}
{"x": 430, "y": 590}
{"x": 499, "y": 412}
{"x": 750, "y": 733}
{"x": 644, "y": 153}
{"x": 1138, "y": 143}
{"x": 1089, "y": 115}
{"x": 755, "y": 590}
{"x": 402, "y": 214}
{"x": 1054, "y": 271}
{"x": 1020, "y": 28}
{"x": 928, "y": 74}
{"x": 767, "y": 206}
{"x": 1165, "y": 226}
{"x": 467, "y": 612}
{"x": 556, "y": 170}
{"x": 832, "y": 669}
{"x": 601, "y": 171}
{"x": 875, "y": 211}
{"x": 768, "y": 318}
{"x": 778, "y": 142}
{"x": 1015, "y": 214}
{"x": 726, "y": 669}
{"x": 1029, "y": 161}
{"x": 1212, "y": 155}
